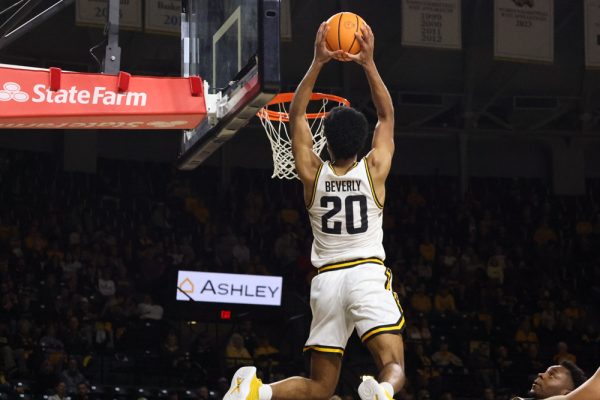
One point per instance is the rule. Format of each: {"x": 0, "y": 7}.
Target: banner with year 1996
{"x": 431, "y": 23}
{"x": 524, "y": 30}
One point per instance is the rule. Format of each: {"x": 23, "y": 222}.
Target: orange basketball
{"x": 342, "y": 27}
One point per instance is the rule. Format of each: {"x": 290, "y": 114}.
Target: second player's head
{"x": 346, "y": 130}
{"x": 557, "y": 380}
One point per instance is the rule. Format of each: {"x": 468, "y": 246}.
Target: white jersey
{"x": 346, "y": 218}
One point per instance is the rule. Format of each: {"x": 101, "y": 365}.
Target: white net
{"x": 279, "y": 135}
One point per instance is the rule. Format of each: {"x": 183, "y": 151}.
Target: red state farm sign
{"x": 94, "y": 101}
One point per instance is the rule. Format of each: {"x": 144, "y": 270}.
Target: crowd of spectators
{"x": 496, "y": 285}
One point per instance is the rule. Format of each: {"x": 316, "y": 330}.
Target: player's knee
{"x": 324, "y": 391}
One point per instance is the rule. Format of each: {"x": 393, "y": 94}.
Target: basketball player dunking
{"x": 345, "y": 200}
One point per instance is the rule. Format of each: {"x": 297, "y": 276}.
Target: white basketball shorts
{"x": 356, "y": 294}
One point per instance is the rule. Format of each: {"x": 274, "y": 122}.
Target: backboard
{"x": 234, "y": 46}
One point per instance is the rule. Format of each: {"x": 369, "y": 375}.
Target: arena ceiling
{"x": 435, "y": 91}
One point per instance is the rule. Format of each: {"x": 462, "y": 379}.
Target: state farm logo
{"x": 12, "y": 91}
{"x": 99, "y": 95}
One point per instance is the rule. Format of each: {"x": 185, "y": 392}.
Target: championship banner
{"x": 52, "y": 99}
{"x": 432, "y": 23}
{"x": 212, "y": 287}
{"x": 524, "y": 30}
{"x": 95, "y": 13}
{"x": 163, "y": 17}
{"x": 591, "y": 15}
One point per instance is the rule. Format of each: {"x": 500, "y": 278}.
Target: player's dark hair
{"x": 577, "y": 374}
{"x": 346, "y": 130}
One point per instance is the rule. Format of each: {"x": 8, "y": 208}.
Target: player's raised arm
{"x": 380, "y": 159}
{"x": 306, "y": 161}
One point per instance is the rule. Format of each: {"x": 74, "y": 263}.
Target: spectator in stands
{"x": 236, "y": 353}
{"x": 71, "y": 376}
{"x": 420, "y": 301}
{"x": 60, "y": 392}
{"x": 427, "y": 250}
{"x": 241, "y": 254}
{"x": 83, "y": 392}
{"x": 445, "y": 359}
{"x": 52, "y": 347}
{"x": 495, "y": 270}
{"x": 562, "y": 354}
{"x": 171, "y": 351}
{"x": 419, "y": 331}
{"x": 203, "y": 393}
{"x": 525, "y": 336}
{"x": 544, "y": 234}
{"x": 423, "y": 394}
{"x": 265, "y": 354}
{"x": 489, "y": 394}
{"x": 481, "y": 366}
{"x": 249, "y": 335}
{"x": 75, "y": 339}
{"x": 444, "y": 302}
{"x": 148, "y": 310}
{"x": 426, "y": 370}
{"x": 23, "y": 346}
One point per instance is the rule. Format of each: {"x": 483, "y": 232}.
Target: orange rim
{"x": 287, "y": 98}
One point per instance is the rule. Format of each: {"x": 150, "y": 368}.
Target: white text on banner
{"x": 95, "y": 12}
{"x": 524, "y": 30}
{"x": 163, "y": 16}
{"x": 431, "y": 23}
{"x": 591, "y": 14}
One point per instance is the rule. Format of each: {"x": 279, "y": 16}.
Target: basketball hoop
{"x": 275, "y": 118}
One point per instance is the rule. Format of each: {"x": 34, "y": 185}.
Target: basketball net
{"x": 275, "y": 119}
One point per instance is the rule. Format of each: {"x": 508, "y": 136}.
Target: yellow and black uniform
{"x": 353, "y": 287}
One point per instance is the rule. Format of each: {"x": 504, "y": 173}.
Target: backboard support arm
{"x": 10, "y": 30}
{"x": 112, "y": 57}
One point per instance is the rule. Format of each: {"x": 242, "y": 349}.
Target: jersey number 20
{"x": 336, "y": 226}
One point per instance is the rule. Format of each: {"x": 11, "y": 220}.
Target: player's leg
{"x": 388, "y": 353}
{"x": 329, "y": 333}
{"x": 324, "y": 374}
{"x": 379, "y": 321}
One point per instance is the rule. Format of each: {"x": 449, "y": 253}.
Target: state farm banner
{"x": 431, "y": 23}
{"x": 591, "y": 15}
{"x": 210, "y": 287}
{"x": 29, "y": 100}
{"x": 524, "y": 30}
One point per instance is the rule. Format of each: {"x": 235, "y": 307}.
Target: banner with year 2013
{"x": 431, "y": 23}
{"x": 524, "y": 30}
{"x": 591, "y": 15}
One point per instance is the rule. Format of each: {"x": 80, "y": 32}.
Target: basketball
{"x": 342, "y": 27}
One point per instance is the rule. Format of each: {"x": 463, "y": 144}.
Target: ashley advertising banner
{"x": 524, "y": 30}
{"x": 591, "y": 15}
{"x": 28, "y": 100}
{"x": 431, "y": 23}
{"x": 210, "y": 287}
